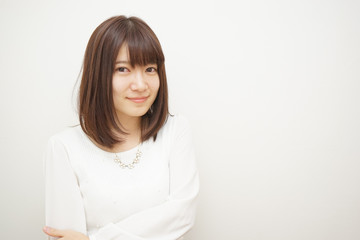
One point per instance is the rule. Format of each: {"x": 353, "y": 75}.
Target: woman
{"x": 128, "y": 171}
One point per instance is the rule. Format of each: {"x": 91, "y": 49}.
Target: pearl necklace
{"x": 136, "y": 160}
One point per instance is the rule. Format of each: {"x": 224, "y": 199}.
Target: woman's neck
{"x": 130, "y": 140}
{"x": 132, "y": 126}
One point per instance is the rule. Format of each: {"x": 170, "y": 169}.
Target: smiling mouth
{"x": 138, "y": 99}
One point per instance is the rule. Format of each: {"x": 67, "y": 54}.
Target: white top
{"x": 87, "y": 191}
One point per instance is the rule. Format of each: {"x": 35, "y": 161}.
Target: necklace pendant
{"x": 117, "y": 159}
{"x": 136, "y": 160}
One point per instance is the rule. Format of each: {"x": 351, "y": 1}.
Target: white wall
{"x": 271, "y": 88}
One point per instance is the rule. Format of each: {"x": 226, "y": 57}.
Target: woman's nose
{"x": 139, "y": 82}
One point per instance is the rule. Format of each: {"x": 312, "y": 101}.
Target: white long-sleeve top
{"x": 87, "y": 191}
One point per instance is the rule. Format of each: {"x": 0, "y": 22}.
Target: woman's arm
{"x": 63, "y": 202}
{"x": 173, "y": 218}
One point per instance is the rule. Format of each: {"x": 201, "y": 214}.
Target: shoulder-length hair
{"x": 97, "y": 113}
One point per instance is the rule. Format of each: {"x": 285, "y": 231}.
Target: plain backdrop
{"x": 271, "y": 89}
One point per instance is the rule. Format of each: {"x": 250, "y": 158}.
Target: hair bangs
{"x": 143, "y": 49}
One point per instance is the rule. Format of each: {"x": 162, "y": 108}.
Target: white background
{"x": 270, "y": 87}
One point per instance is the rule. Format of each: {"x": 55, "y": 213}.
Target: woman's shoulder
{"x": 174, "y": 125}
{"x": 67, "y": 136}
{"x": 176, "y": 121}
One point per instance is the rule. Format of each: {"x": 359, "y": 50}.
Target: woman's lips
{"x": 138, "y": 99}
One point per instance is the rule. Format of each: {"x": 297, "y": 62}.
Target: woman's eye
{"x": 122, "y": 69}
{"x": 151, "y": 69}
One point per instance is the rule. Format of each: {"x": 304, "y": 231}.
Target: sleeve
{"x": 63, "y": 201}
{"x": 173, "y": 218}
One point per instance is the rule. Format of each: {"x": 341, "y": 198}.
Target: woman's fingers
{"x": 64, "y": 234}
{"x": 53, "y": 232}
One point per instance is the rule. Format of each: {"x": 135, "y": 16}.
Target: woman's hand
{"x": 64, "y": 234}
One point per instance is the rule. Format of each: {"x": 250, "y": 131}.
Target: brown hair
{"x": 96, "y": 105}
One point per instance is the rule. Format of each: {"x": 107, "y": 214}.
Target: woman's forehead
{"x": 123, "y": 54}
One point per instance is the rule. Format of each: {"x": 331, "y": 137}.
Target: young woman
{"x": 127, "y": 172}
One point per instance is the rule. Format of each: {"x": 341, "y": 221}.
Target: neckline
{"x": 92, "y": 145}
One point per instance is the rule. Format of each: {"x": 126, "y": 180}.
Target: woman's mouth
{"x": 138, "y": 99}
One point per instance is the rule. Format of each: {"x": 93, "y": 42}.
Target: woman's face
{"x": 134, "y": 88}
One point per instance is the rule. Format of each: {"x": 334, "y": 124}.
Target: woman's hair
{"x": 97, "y": 113}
